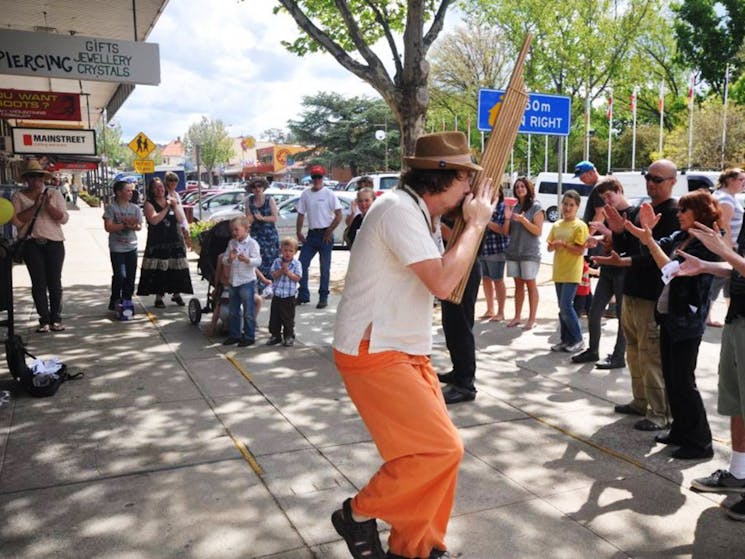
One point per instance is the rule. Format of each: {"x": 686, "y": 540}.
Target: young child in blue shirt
{"x": 243, "y": 255}
{"x": 286, "y": 272}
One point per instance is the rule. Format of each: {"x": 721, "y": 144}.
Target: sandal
{"x": 57, "y": 327}
{"x": 43, "y": 329}
{"x": 362, "y": 538}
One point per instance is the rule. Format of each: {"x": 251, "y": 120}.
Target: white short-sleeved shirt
{"x": 380, "y": 289}
{"x": 318, "y": 207}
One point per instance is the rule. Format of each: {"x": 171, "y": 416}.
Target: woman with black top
{"x": 164, "y": 265}
{"x": 681, "y": 312}
{"x": 357, "y": 211}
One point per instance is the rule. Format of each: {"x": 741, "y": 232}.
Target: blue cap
{"x": 582, "y": 167}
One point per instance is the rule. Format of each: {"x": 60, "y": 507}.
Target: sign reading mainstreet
{"x": 53, "y": 140}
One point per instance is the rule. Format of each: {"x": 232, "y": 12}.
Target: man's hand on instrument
{"x": 478, "y": 208}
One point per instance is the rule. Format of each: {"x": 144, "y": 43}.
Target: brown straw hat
{"x": 32, "y": 167}
{"x": 443, "y": 150}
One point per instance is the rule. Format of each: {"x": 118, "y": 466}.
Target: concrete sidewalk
{"x": 172, "y": 446}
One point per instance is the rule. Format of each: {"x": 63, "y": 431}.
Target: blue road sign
{"x": 544, "y": 114}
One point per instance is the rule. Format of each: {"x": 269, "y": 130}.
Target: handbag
{"x": 18, "y": 248}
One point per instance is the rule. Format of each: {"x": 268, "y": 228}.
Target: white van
{"x": 634, "y": 184}
{"x": 546, "y": 188}
{"x": 381, "y": 182}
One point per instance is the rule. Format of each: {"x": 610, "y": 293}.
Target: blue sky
{"x": 224, "y": 60}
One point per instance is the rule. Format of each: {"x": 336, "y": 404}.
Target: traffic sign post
{"x": 544, "y": 114}
{"x": 141, "y": 145}
{"x": 144, "y": 166}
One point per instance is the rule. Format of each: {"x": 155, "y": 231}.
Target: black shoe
{"x": 647, "y": 425}
{"x": 289, "y": 341}
{"x": 610, "y": 363}
{"x": 322, "y": 304}
{"x": 665, "y": 438}
{"x": 274, "y": 340}
{"x": 362, "y": 538}
{"x": 112, "y": 304}
{"x": 626, "y": 409}
{"x": 299, "y": 301}
{"x": 693, "y": 453}
{"x": 178, "y": 300}
{"x": 231, "y": 341}
{"x": 246, "y": 342}
{"x": 446, "y": 378}
{"x": 586, "y": 356}
{"x": 454, "y": 395}
{"x": 159, "y": 304}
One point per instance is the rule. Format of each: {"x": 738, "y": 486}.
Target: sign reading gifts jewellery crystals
{"x": 81, "y": 58}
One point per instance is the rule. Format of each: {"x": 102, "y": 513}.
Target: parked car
{"x": 288, "y": 215}
{"x": 217, "y": 201}
{"x": 381, "y": 182}
{"x": 193, "y": 185}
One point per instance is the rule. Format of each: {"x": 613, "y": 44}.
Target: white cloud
{"x": 224, "y": 60}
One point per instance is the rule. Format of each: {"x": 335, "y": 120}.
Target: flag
{"x": 609, "y": 112}
{"x": 691, "y": 86}
{"x": 661, "y": 105}
{"x": 633, "y": 100}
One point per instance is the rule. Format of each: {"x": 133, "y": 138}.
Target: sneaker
{"x": 720, "y": 481}
{"x": 43, "y": 328}
{"x": 57, "y": 327}
{"x": 245, "y": 342}
{"x": 289, "y": 341}
{"x": 231, "y": 341}
{"x": 737, "y": 511}
{"x": 574, "y": 348}
{"x": 586, "y": 356}
{"x": 274, "y": 340}
{"x": 361, "y": 538}
{"x": 558, "y": 347}
{"x": 322, "y": 304}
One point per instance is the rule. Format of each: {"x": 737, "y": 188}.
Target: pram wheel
{"x": 195, "y": 311}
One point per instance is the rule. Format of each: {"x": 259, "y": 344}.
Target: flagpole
{"x": 587, "y": 126}
{"x": 662, "y": 115}
{"x": 529, "y": 137}
{"x": 633, "y": 128}
{"x": 724, "y": 115}
{"x": 690, "y": 118}
{"x": 469, "y": 129}
{"x": 610, "y": 128}
{"x": 545, "y": 153}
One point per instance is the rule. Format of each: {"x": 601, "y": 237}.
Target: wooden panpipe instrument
{"x": 497, "y": 151}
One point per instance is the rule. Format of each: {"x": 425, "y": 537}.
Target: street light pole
{"x": 199, "y": 179}
{"x": 384, "y": 138}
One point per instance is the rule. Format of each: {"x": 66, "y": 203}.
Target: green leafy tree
{"x": 470, "y": 58}
{"x": 347, "y": 29}
{"x": 277, "y": 136}
{"x": 710, "y": 35}
{"x": 342, "y": 132}
{"x": 109, "y": 143}
{"x": 215, "y": 145}
{"x": 707, "y": 138}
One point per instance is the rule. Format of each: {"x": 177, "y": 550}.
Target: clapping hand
{"x": 691, "y": 266}
{"x": 711, "y": 238}
{"x": 644, "y": 234}
{"x": 613, "y": 259}
{"x": 614, "y": 219}
{"x": 647, "y": 217}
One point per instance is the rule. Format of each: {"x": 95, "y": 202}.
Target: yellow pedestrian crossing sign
{"x": 141, "y": 145}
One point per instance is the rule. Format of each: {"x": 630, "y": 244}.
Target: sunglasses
{"x": 656, "y": 179}
{"x": 316, "y": 177}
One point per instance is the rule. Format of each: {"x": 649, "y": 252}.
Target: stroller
{"x": 214, "y": 241}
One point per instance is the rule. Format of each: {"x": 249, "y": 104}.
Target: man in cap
{"x": 323, "y": 210}
{"x": 382, "y": 340}
{"x": 588, "y": 174}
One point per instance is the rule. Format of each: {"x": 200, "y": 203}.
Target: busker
{"x": 382, "y": 339}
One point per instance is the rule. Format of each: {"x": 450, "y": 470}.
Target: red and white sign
{"x": 39, "y": 105}
{"x": 54, "y": 141}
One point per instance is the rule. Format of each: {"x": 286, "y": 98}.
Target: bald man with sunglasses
{"x": 642, "y": 288}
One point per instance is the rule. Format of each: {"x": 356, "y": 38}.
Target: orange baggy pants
{"x": 400, "y": 400}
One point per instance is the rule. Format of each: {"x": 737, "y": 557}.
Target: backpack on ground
{"x": 37, "y": 385}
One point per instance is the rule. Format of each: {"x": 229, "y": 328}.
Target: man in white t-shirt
{"x": 320, "y": 206}
{"x": 382, "y": 342}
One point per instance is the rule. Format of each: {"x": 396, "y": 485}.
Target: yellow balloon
{"x": 7, "y": 211}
